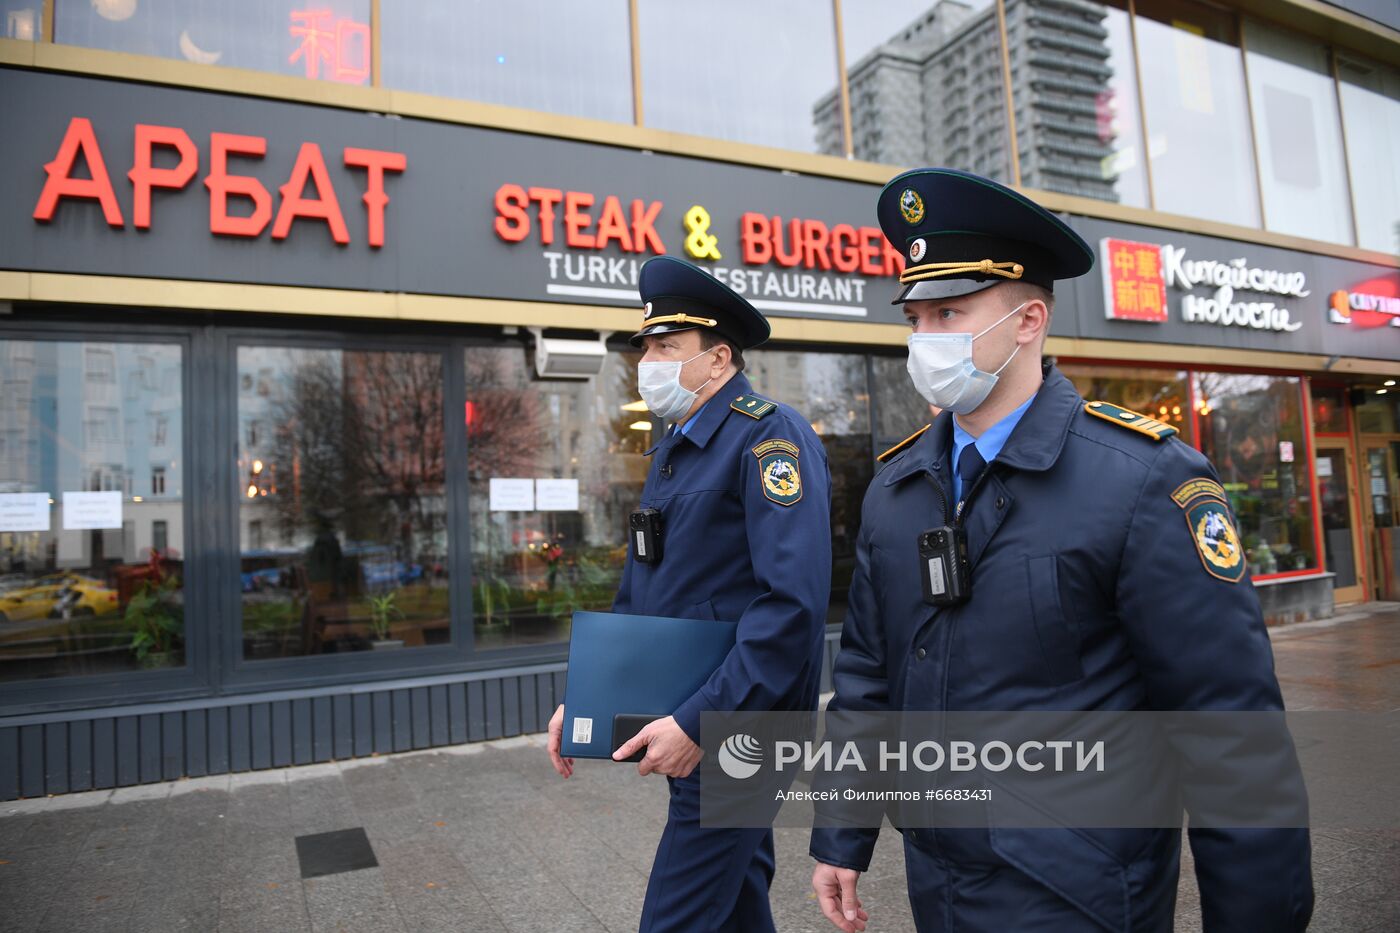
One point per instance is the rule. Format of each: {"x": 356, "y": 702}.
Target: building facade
{"x": 286, "y": 474}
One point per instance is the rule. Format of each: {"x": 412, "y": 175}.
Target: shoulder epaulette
{"x": 753, "y": 406}
{"x": 904, "y": 444}
{"x": 1126, "y": 418}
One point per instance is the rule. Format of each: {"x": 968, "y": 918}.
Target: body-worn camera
{"x": 645, "y": 528}
{"x": 943, "y": 562}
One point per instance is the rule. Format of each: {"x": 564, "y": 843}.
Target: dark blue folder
{"x": 635, "y": 668}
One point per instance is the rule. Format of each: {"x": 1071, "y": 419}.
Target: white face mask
{"x": 943, "y": 372}
{"x": 660, "y": 387}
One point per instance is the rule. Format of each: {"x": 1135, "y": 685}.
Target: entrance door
{"x": 1341, "y": 529}
{"x": 1382, "y": 492}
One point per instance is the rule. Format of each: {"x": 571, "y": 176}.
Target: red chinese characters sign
{"x": 1133, "y": 284}
{"x": 339, "y": 44}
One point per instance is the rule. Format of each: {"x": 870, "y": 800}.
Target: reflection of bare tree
{"x": 362, "y": 434}
{"x": 394, "y": 439}
{"x": 503, "y": 429}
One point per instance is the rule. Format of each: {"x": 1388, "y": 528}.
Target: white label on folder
{"x": 583, "y": 730}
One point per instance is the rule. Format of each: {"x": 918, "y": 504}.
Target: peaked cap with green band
{"x": 961, "y": 233}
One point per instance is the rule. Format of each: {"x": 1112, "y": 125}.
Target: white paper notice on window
{"x": 1285, "y": 451}
{"x": 1324, "y": 467}
{"x": 24, "y": 511}
{"x": 512, "y": 495}
{"x": 88, "y": 510}
{"x": 556, "y": 495}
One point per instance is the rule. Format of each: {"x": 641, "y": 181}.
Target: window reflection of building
{"x": 1197, "y": 112}
{"x": 568, "y": 58}
{"x": 81, "y": 425}
{"x": 934, "y": 93}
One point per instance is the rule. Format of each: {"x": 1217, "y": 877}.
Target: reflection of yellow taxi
{"x": 86, "y": 598}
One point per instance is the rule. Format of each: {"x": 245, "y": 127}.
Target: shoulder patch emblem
{"x": 1212, "y": 529}
{"x": 1127, "y": 418}
{"x": 753, "y": 406}
{"x": 904, "y": 444}
{"x": 778, "y": 473}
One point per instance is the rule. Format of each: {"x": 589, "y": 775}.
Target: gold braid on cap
{"x": 934, "y": 270}
{"x": 680, "y": 319}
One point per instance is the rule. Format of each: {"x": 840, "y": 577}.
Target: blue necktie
{"x": 970, "y": 466}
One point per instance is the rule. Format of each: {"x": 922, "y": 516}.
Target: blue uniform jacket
{"x": 741, "y": 546}
{"x": 1088, "y": 593}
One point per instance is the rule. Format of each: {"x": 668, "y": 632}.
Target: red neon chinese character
{"x": 1125, "y": 297}
{"x": 346, "y": 32}
{"x": 1123, "y": 262}
{"x": 317, "y": 40}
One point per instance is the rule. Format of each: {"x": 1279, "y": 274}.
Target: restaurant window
{"x": 1252, "y": 431}
{"x": 327, "y": 40}
{"x": 1300, "y": 136}
{"x": 554, "y": 467}
{"x": 1329, "y": 408}
{"x": 1378, "y": 412}
{"x": 746, "y": 72}
{"x": 1371, "y": 118}
{"x": 1163, "y": 394}
{"x": 926, "y": 86}
{"x": 568, "y": 58}
{"x": 1075, "y": 91}
{"x": 831, "y": 391}
{"x": 85, "y": 585}
{"x": 342, "y": 512}
{"x": 1193, "y": 88}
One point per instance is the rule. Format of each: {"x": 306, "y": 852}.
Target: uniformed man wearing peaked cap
{"x": 744, "y": 495}
{"x": 1104, "y": 572}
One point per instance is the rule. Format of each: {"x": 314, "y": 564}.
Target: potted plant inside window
{"x": 382, "y": 610}
{"x": 154, "y": 616}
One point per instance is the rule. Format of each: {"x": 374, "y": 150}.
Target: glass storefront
{"x": 92, "y": 514}
{"x": 342, "y": 508}
{"x": 1252, "y": 430}
{"x": 569, "y": 58}
{"x": 327, "y": 41}
{"x": 730, "y": 69}
{"x": 554, "y": 469}
{"x": 1161, "y": 393}
{"x": 1183, "y": 106}
{"x": 1299, "y": 135}
{"x": 1197, "y": 112}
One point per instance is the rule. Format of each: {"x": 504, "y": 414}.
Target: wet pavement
{"x": 486, "y": 837}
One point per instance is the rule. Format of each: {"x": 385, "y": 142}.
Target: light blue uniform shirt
{"x": 988, "y": 445}
{"x": 685, "y": 428}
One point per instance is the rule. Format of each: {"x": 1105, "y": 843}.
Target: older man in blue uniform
{"x": 1106, "y": 573}
{"x": 744, "y": 495}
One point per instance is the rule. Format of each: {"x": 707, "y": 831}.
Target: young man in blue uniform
{"x": 744, "y": 493}
{"x": 1106, "y": 573}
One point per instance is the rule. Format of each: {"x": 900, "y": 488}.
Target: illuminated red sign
{"x": 342, "y": 44}
{"x": 589, "y": 223}
{"x": 307, "y": 193}
{"x": 1374, "y": 303}
{"x": 1134, "y": 287}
